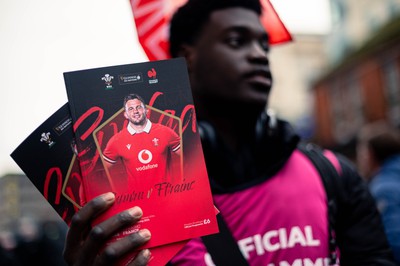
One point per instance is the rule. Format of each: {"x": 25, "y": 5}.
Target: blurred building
{"x": 363, "y": 81}
{"x": 295, "y": 67}
{"x": 354, "y": 21}
{"x": 31, "y": 232}
{"x": 20, "y": 198}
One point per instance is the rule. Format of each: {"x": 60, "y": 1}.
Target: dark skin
{"x": 83, "y": 243}
{"x": 230, "y": 78}
{"x": 232, "y": 97}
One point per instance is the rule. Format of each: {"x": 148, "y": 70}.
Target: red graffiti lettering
{"x": 64, "y": 216}
{"x": 70, "y": 194}
{"x": 189, "y": 109}
{"x": 49, "y": 175}
{"x": 100, "y": 113}
{"x": 88, "y": 165}
{"x": 188, "y": 115}
{"x": 114, "y": 127}
{"x": 169, "y": 120}
{"x": 152, "y": 100}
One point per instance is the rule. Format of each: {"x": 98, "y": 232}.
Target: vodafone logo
{"x": 145, "y": 156}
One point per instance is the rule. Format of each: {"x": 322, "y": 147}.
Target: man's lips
{"x": 259, "y": 78}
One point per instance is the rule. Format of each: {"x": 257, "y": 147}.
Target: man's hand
{"x": 85, "y": 244}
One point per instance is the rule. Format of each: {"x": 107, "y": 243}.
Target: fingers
{"x": 119, "y": 249}
{"x": 142, "y": 258}
{"x": 90, "y": 246}
{"x": 101, "y": 233}
{"x": 81, "y": 224}
{"x": 82, "y": 220}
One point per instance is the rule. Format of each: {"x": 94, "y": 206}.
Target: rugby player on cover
{"x": 149, "y": 151}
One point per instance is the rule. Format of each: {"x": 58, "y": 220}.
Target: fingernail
{"x": 145, "y": 233}
{"x": 146, "y": 253}
{"x": 109, "y": 196}
{"x": 135, "y": 212}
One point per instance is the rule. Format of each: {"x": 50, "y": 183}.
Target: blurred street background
{"x": 341, "y": 72}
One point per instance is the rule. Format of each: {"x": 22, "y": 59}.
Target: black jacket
{"x": 359, "y": 230}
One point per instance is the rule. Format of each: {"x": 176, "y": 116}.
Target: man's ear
{"x": 187, "y": 51}
{"x": 125, "y": 115}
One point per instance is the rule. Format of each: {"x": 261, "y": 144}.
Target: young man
{"x": 148, "y": 151}
{"x": 269, "y": 193}
{"x": 378, "y": 158}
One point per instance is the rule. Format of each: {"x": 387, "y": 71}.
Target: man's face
{"x": 135, "y": 112}
{"x": 229, "y": 59}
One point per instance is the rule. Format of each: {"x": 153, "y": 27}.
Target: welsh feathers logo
{"x": 108, "y": 80}
{"x": 45, "y": 137}
{"x": 155, "y": 141}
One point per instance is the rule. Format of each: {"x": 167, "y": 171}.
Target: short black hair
{"x": 188, "y": 21}
{"x": 385, "y": 145}
{"x": 133, "y": 96}
{"x": 381, "y": 138}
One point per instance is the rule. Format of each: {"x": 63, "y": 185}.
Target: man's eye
{"x": 264, "y": 45}
{"x": 235, "y": 41}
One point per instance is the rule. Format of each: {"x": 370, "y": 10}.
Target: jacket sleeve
{"x": 360, "y": 234}
{"x": 387, "y": 196}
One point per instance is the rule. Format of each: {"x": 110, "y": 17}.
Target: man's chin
{"x": 246, "y": 103}
{"x": 138, "y": 122}
{"x": 256, "y": 98}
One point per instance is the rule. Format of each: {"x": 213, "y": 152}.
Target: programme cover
{"x": 161, "y": 169}
{"x": 48, "y": 158}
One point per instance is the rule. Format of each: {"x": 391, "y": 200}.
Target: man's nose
{"x": 258, "y": 52}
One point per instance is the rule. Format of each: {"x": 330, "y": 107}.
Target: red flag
{"x": 152, "y": 17}
{"x": 273, "y": 24}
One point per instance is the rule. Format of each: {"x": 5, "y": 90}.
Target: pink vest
{"x": 279, "y": 222}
